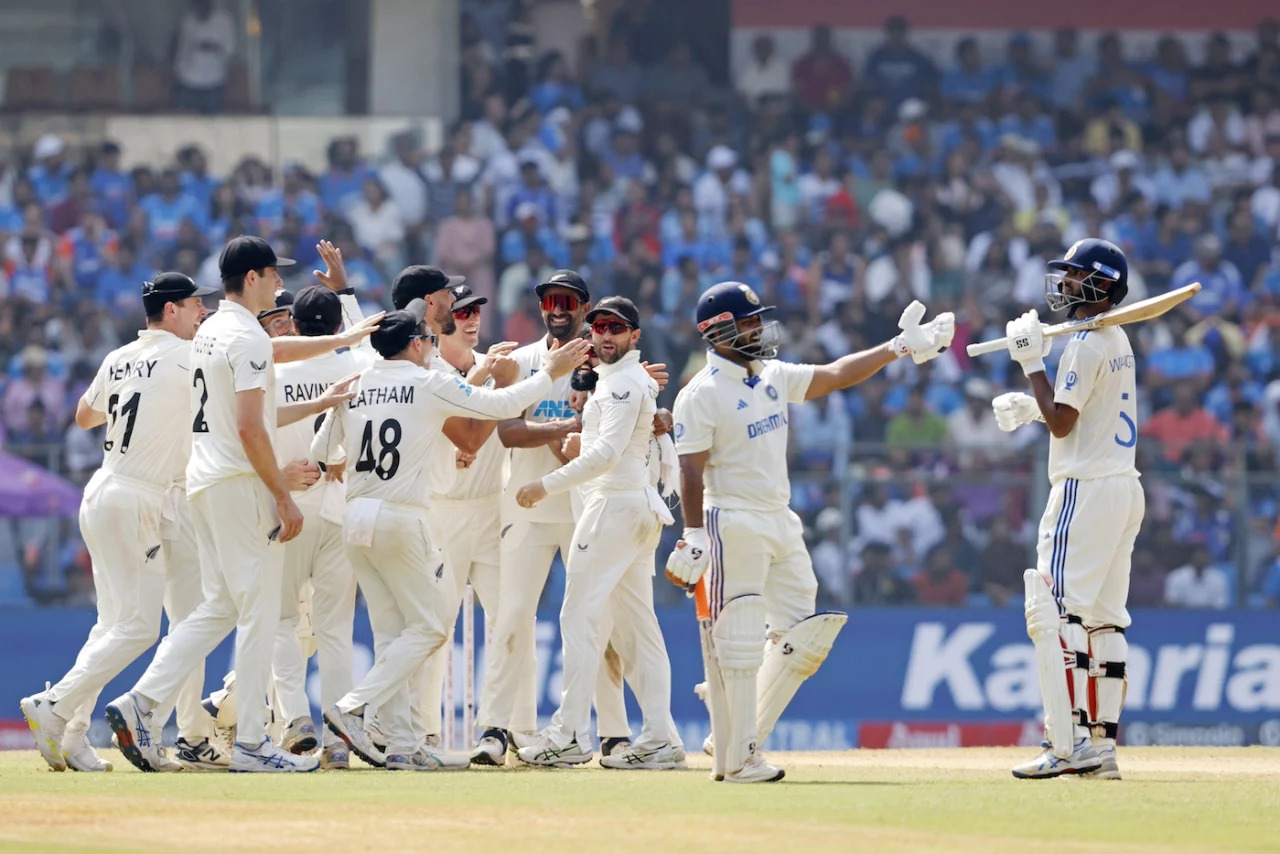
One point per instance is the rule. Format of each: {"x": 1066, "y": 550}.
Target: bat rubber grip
{"x": 982, "y": 348}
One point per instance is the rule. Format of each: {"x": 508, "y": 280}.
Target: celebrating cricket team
{"x": 265, "y": 461}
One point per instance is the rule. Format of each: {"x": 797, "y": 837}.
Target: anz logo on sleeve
{"x": 549, "y": 409}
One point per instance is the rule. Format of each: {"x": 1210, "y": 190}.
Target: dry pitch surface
{"x": 1173, "y": 799}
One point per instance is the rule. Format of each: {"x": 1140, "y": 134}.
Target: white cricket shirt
{"x": 231, "y": 353}
{"x": 142, "y": 389}
{"x": 483, "y": 477}
{"x": 742, "y": 421}
{"x": 527, "y": 465}
{"x": 1096, "y": 378}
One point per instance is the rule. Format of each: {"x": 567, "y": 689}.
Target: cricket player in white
{"x": 731, "y": 434}
{"x": 243, "y": 511}
{"x": 385, "y": 524}
{"x": 1076, "y": 596}
{"x": 610, "y": 564}
{"x": 140, "y": 393}
{"x": 530, "y": 538}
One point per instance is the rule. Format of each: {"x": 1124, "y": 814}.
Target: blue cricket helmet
{"x": 1106, "y": 275}
{"x": 722, "y": 306}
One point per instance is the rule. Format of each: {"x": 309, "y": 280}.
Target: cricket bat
{"x": 1139, "y": 311}
{"x": 717, "y": 702}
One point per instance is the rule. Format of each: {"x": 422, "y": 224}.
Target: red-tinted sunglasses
{"x": 564, "y": 302}
{"x": 609, "y": 327}
{"x": 464, "y": 313}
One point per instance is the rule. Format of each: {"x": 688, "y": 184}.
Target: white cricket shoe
{"x": 268, "y": 759}
{"x": 1083, "y": 759}
{"x": 755, "y": 770}
{"x": 546, "y": 753}
{"x": 202, "y": 755}
{"x": 1108, "y": 769}
{"x": 133, "y": 735}
{"x": 518, "y": 739}
{"x": 491, "y": 749}
{"x": 610, "y": 746}
{"x": 375, "y": 734}
{"x": 428, "y": 758}
{"x": 47, "y": 727}
{"x": 81, "y": 756}
{"x": 664, "y": 757}
{"x": 351, "y": 729}
{"x": 709, "y": 746}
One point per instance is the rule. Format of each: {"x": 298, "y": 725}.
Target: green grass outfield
{"x": 1172, "y": 799}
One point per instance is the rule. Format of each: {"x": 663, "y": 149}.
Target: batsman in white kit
{"x": 243, "y": 512}
{"x": 140, "y": 393}
{"x": 1076, "y": 596}
{"x": 390, "y": 430}
{"x": 731, "y": 434}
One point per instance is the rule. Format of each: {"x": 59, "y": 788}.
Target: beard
{"x": 620, "y": 349}
{"x": 449, "y": 326}
{"x": 562, "y": 330}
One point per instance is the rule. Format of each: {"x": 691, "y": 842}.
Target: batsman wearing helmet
{"x": 1076, "y": 596}
{"x": 731, "y": 435}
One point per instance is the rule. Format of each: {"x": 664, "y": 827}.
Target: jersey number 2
{"x": 389, "y": 453}
{"x": 199, "y": 425}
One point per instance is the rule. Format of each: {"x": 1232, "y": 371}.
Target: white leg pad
{"x": 1108, "y": 657}
{"x": 790, "y": 658}
{"x": 738, "y": 633}
{"x": 1043, "y": 629}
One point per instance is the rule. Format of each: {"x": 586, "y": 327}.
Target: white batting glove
{"x": 1014, "y": 409}
{"x": 1027, "y": 344}
{"x": 690, "y": 558}
{"x": 923, "y": 341}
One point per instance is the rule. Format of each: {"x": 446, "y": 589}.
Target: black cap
{"x": 564, "y": 279}
{"x": 398, "y": 328}
{"x": 318, "y": 305}
{"x": 170, "y": 287}
{"x": 284, "y": 302}
{"x": 245, "y": 253}
{"x": 619, "y": 307}
{"x": 464, "y": 297}
{"x": 419, "y": 281}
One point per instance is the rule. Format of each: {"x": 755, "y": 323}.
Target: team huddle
{"x": 264, "y": 461}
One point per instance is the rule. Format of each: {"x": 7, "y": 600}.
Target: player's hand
{"x": 571, "y": 446}
{"x": 334, "y": 276}
{"x": 290, "y": 519}
{"x": 1027, "y": 344}
{"x": 530, "y": 494}
{"x": 662, "y": 422}
{"x": 658, "y": 373}
{"x": 563, "y": 359}
{"x": 504, "y": 370}
{"x": 463, "y": 460}
{"x": 578, "y": 399}
{"x": 502, "y": 348}
{"x": 300, "y": 474}
{"x": 1014, "y": 409}
{"x": 335, "y": 471}
{"x": 923, "y": 341}
{"x": 362, "y": 329}
{"x": 689, "y": 559}
{"x": 339, "y": 392}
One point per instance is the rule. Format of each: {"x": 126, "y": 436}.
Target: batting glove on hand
{"x": 1027, "y": 344}
{"x": 923, "y": 341}
{"x": 1014, "y": 409}
{"x": 690, "y": 558}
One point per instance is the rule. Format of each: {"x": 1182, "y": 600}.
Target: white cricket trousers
{"x": 318, "y": 556}
{"x": 759, "y": 552}
{"x": 1086, "y": 541}
{"x": 120, "y": 521}
{"x": 611, "y": 568}
{"x": 406, "y": 603}
{"x": 511, "y": 652}
{"x": 243, "y": 571}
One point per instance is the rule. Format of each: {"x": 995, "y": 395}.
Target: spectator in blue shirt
{"x": 88, "y": 248}
{"x": 968, "y": 82}
{"x": 1238, "y": 387}
{"x": 969, "y": 125}
{"x": 167, "y": 208}
{"x": 1168, "y": 248}
{"x": 622, "y": 152}
{"x": 1222, "y": 287}
{"x": 1181, "y": 181}
{"x": 1169, "y": 71}
{"x": 120, "y": 284}
{"x": 342, "y": 187}
{"x": 529, "y": 228}
{"x": 1020, "y": 71}
{"x": 554, "y": 87}
{"x": 689, "y": 244}
{"x": 13, "y": 216}
{"x": 897, "y": 69}
{"x": 112, "y": 185}
{"x": 194, "y": 177}
{"x": 1181, "y": 362}
{"x": 533, "y": 190}
{"x": 294, "y": 197}
{"x": 1071, "y": 69}
{"x": 51, "y": 175}
{"x": 1245, "y": 248}
{"x": 1031, "y": 121}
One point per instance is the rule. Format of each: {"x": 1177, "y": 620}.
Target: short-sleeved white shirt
{"x": 531, "y": 464}
{"x": 742, "y": 421}
{"x": 142, "y": 389}
{"x": 1096, "y": 378}
{"x": 231, "y": 353}
{"x": 484, "y": 476}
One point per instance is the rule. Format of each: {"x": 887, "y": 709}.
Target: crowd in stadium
{"x": 837, "y": 192}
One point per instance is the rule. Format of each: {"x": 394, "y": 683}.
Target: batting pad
{"x": 738, "y": 634}
{"x": 789, "y": 659}
{"x": 1042, "y": 628}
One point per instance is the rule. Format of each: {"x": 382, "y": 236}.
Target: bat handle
{"x": 982, "y": 348}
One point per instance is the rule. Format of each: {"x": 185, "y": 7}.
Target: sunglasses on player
{"x": 430, "y": 336}
{"x": 464, "y": 313}
{"x": 609, "y": 327}
{"x": 563, "y": 302}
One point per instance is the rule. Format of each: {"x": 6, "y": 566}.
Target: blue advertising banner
{"x": 896, "y": 677}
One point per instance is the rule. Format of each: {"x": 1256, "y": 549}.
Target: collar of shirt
{"x": 155, "y": 333}
{"x": 237, "y": 308}
{"x": 383, "y": 365}
{"x": 733, "y": 369}
{"x": 631, "y": 357}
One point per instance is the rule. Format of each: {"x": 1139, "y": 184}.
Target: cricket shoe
{"x": 266, "y": 758}
{"x": 202, "y": 755}
{"x": 351, "y": 729}
{"x": 162, "y": 762}
{"x": 81, "y": 756}
{"x": 375, "y": 734}
{"x": 335, "y": 758}
{"x": 618, "y": 744}
{"x": 300, "y": 736}
{"x": 755, "y": 770}
{"x": 427, "y": 758}
{"x": 47, "y": 727}
{"x": 1108, "y": 770}
{"x": 133, "y": 730}
{"x": 546, "y": 753}
{"x": 1083, "y": 759}
{"x": 664, "y": 757}
{"x": 491, "y": 749}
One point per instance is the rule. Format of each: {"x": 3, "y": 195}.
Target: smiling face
{"x": 467, "y": 321}
{"x": 562, "y": 312}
